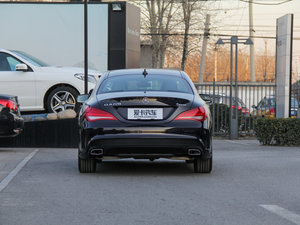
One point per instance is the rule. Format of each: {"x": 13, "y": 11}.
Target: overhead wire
{"x": 214, "y": 35}
{"x": 260, "y": 3}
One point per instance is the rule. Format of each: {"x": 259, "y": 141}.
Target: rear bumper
{"x": 147, "y": 146}
{"x": 11, "y": 125}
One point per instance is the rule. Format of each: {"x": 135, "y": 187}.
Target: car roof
{"x": 5, "y": 96}
{"x": 211, "y": 93}
{"x": 140, "y": 71}
{"x": 4, "y": 50}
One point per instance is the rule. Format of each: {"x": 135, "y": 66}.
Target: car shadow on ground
{"x": 144, "y": 167}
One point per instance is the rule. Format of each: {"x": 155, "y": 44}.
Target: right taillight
{"x": 9, "y": 104}
{"x": 197, "y": 114}
{"x": 93, "y": 114}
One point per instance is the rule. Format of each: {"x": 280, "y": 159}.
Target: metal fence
{"x": 253, "y": 100}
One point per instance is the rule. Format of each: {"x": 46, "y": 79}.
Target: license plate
{"x": 145, "y": 114}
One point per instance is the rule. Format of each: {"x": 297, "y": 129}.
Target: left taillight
{"x": 9, "y": 104}
{"x": 239, "y": 107}
{"x": 197, "y": 114}
{"x": 93, "y": 114}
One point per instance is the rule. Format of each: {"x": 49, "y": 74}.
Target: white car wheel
{"x": 62, "y": 98}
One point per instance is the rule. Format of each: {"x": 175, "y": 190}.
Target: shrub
{"x": 273, "y": 131}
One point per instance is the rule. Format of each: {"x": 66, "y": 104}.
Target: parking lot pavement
{"x": 219, "y": 143}
{"x": 250, "y": 184}
{"x": 10, "y": 158}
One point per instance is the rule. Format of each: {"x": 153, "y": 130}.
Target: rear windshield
{"x": 149, "y": 83}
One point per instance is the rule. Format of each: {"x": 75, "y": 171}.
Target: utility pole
{"x": 85, "y": 46}
{"x": 216, "y": 64}
{"x": 266, "y": 61}
{"x": 204, "y": 48}
{"x": 251, "y": 31}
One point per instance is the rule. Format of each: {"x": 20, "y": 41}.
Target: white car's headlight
{"x": 91, "y": 78}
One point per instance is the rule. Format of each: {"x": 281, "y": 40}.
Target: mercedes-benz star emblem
{"x": 145, "y": 101}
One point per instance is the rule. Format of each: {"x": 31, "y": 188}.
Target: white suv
{"x": 39, "y": 86}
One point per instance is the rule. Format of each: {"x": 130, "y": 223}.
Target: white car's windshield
{"x": 31, "y": 59}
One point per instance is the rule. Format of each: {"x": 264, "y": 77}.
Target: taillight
{"x": 93, "y": 114}
{"x": 9, "y": 104}
{"x": 239, "y": 107}
{"x": 197, "y": 114}
{"x": 245, "y": 110}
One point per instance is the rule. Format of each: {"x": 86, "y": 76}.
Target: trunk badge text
{"x": 112, "y": 104}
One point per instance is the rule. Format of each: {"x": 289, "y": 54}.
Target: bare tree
{"x": 160, "y": 24}
{"x": 171, "y": 26}
{"x": 187, "y": 7}
{"x": 192, "y": 22}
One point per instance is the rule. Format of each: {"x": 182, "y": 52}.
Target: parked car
{"x": 145, "y": 114}
{"x": 40, "y": 86}
{"x": 11, "y": 122}
{"x": 219, "y": 98}
{"x": 266, "y": 107}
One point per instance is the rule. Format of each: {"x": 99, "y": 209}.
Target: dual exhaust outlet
{"x": 96, "y": 152}
{"x": 194, "y": 152}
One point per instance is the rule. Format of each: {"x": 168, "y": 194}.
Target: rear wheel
{"x": 86, "y": 165}
{"x": 203, "y": 165}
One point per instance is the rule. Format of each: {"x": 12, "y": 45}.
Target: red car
{"x": 225, "y": 99}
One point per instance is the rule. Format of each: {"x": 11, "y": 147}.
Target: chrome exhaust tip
{"x": 96, "y": 152}
{"x": 194, "y": 152}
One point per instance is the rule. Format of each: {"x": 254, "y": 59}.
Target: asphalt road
{"x": 250, "y": 184}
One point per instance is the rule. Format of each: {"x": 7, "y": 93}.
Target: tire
{"x": 202, "y": 165}
{"x": 62, "y": 98}
{"x": 86, "y": 165}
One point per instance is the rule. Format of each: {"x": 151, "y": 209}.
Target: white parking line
{"x": 12, "y": 174}
{"x": 290, "y": 216}
{"x": 237, "y": 142}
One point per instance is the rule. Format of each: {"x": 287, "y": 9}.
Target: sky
{"x": 233, "y": 19}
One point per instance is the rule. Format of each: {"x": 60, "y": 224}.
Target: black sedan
{"x": 144, "y": 114}
{"x": 11, "y": 122}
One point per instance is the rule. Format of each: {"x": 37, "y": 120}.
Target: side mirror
{"x": 208, "y": 101}
{"x": 82, "y": 98}
{"x": 206, "y": 98}
{"x": 21, "y": 67}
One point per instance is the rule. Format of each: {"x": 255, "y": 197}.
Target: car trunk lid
{"x": 141, "y": 106}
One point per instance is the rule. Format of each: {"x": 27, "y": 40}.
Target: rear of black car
{"x": 11, "y": 123}
{"x": 145, "y": 115}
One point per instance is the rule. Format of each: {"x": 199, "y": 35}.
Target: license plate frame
{"x": 144, "y": 113}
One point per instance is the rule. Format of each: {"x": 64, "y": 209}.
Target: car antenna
{"x": 145, "y": 73}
